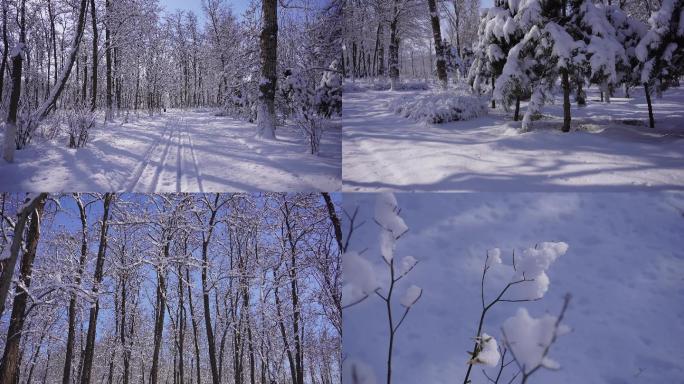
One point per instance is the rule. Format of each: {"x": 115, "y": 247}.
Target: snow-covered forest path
{"x": 170, "y": 165}
{"x": 383, "y": 151}
{"x": 189, "y": 151}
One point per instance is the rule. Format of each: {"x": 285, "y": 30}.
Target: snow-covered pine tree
{"x": 603, "y": 53}
{"x": 562, "y": 40}
{"x": 661, "y": 50}
{"x": 628, "y": 32}
{"x": 545, "y": 53}
{"x": 497, "y": 34}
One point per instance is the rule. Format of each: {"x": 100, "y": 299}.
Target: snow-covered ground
{"x": 188, "y": 151}
{"x": 624, "y": 268}
{"x": 605, "y": 150}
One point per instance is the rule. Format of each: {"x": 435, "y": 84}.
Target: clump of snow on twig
{"x": 493, "y": 257}
{"x": 393, "y": 226}
{"x": 489, "y": 351}
{"x": 440, "y": 107}
{"x": 532, "y": 265}
{"x": 411, "y": 295}
{"x": 407, "y": 263}
{"x": 529, "y": 338}
{"x": 358, "y": 274}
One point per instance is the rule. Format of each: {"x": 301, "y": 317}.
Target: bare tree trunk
{"x": 53, "y": 34}
{"x": 566, "y": 100}
{"x": 71, "y": 332}
{"x": 181, "y": 326}
{"x": 49, "y": 104}
{"x": 439, "y": 49}
{"x": 8, "y": 265}
{"x": 651, "y": 121}
{"x": 193, "y": 319}
{"x": 266, "y": 117}
{"x": 394, "y": 48}
{"x": 89, "y": 351}
{"x": 36, "y": 354}
{"x": 283, "y": 332}
{"x": 206, "y": 238}
{"x": 5, "y": 48}
{"x": 299, "y": 350}
{"x": 160, "y": 311}
{"x": 108, "y": 59}
{"x": 9, "y": 367}
{"x": 126, "y": 352}
{"x": 93, "y": 95}
{"x": 17, "y": 64}
{"x": 47, "y": 365}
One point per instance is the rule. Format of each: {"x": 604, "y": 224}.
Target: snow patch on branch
{"x": 358, "y": 276}
{"x": 533, "y": 264}
{"x": 411, "y": 295}
{"x": 528, "y": 338}
{"x": 489, "y": 351}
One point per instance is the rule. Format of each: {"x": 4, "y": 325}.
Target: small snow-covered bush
{"x": 328, "y": 93}
{"x": 311, "y": 105}
{"x": 384, "y": 85}
{"x": 52, "y": 127}
{"x": 440, "y": 107}
{"x": 80, "y": 121}
{"x": 350, "y": 87}
{"x": 312, "y": 126}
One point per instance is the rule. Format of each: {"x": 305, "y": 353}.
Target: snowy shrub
{"x": 381, "y": 85}
{"x": 79, "y": 121}
{"x": 52, "y": 127}
{"x": 440, "y": 107}
{"x": 351, "y": 87}
{"x": 242, "y": 103}
{"x": 408, "y": 85}
{"x": 313, "y": 128}
{"x": 412, "y": 86}
{"x": 328, "y": 94}
{"x": 311, "y": 106}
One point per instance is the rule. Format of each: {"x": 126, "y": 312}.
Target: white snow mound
{"x": 439, "y": 107}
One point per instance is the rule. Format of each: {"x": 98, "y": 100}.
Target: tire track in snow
{"x": 147, "y": 159}
{"x": 195, "y": 165}
{"x": 148, "y": 176}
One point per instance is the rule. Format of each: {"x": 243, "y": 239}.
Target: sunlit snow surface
{"x": 179, "y": 151}
{"x": 624, "y": 267}
{"x": 609, "y": 148}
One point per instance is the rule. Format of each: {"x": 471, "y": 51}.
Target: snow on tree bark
{"x": 266, "y": 116}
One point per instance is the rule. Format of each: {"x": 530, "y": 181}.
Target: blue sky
{"x": 239, "y": 6}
